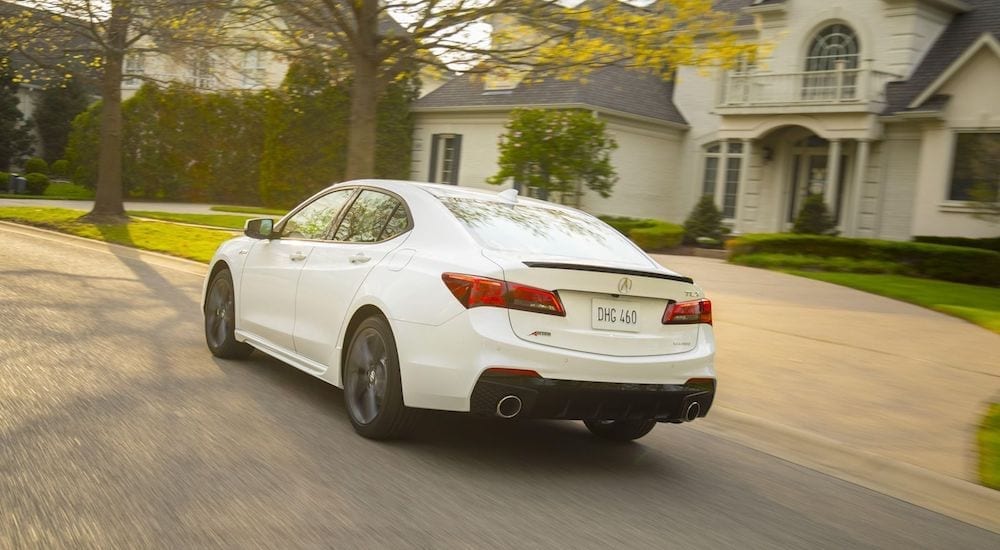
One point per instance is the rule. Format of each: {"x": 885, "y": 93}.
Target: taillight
{"x": 688, "y": 313}
{"x": 474, "y": 291}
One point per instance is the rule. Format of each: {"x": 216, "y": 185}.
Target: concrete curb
{"x": 155, "y": 258}
{"x": 955, "y": 498}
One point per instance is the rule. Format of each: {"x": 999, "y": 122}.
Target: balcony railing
{"x": 814, "y": 88}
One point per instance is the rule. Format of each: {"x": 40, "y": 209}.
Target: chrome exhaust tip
{"x": 692, "y": 412}
{"x": 509, "y": 406}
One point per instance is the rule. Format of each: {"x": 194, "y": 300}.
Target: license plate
{"x": 615, "y": 315}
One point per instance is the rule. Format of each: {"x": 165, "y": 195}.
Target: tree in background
{"x": 384, "y": 39}
{"x": 57, "y": 37}
{"x": 814, "y": 218}
{"x": 704, "y": 224}
{"x": 557, "y": 151}
{"x": 57, "y": 106}
{"x": 15, "y": 136}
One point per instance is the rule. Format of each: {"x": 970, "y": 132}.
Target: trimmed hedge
{"x": 988, "y": 244}
{"x": 933, "y": 261}
{"x": 36, "y": 183}
{"x": 648, "y": 234}
{"x": 36, "y": 165}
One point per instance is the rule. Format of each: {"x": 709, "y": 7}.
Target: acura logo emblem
{"x": 625, "y": 285}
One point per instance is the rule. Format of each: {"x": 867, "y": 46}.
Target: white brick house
{"x": 905, "y": 93}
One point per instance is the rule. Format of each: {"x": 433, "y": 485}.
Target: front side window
{"x": 313, "y": 221}
{"x": 446, "y": 150}
{"x": 372, "y": 218}
{"x": 976, "y": 170}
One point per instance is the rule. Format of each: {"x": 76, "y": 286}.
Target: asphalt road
{"x": 119, "y": 430}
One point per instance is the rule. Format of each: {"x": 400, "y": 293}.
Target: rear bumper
{"x": 577, "y": 400}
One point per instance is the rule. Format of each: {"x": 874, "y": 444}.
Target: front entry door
{"x": 809, "y": 174}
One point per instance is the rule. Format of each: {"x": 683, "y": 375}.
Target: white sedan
{"x": 411, "y": 295}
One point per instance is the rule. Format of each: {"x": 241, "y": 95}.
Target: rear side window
{"x": 373, "y": 217}
{"x": 543, "y": 231}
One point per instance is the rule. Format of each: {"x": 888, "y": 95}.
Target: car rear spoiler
{"x": 605, "y": 269}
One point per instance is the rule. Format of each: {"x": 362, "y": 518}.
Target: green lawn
{"x": 193, "y": 243}
{"x": 976, "y": 304}
{"x": 258, "y": 210}
{"x": 228, "y": 221}
{"x": 57, "y": 190}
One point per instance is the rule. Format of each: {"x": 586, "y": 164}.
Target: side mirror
{"x": 259, "y": 228}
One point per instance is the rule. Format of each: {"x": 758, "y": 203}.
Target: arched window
{"x": 832, "y": 44}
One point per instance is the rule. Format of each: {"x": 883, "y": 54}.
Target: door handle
{"x": 359, "y": 258}
{"x": 297, "y": 256}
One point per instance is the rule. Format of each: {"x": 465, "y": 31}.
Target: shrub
{"x": 988, "y": 244}
{"x": 4, "y": 181}
{"x": 818, "y": 263}
{"x": 36, "y": 165}
{"x": 625, "y": 225}
{"x": 60, "y": 168}
{"x": 989, "y": 447}
{"x": 36, "y": 183}
{"x": 933, "y": 261}
{"x": 814, "y": 218}
{"x": 704, "y": 225}
{"x": 659, "y": 236}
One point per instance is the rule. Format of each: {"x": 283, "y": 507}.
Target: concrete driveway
{"x": 878, "y": 375}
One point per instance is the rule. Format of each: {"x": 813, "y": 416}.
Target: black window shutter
{"x": 432, "y": 173}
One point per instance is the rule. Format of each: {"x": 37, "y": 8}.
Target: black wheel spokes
{"x": 367, "y": 376}
{"x": 218, "y": 312}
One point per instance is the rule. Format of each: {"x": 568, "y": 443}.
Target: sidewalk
{"x": 175, "y": 207}
{"x": 880, "y": 376}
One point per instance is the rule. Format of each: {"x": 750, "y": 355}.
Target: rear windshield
{"x": 543, "y": 231}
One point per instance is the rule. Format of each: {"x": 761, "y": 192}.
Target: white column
{"x": 720, "y": 176}
{"x": 853, "y": 214}
{"x": 742, "y": 184}
{"x": 832, "y": 175}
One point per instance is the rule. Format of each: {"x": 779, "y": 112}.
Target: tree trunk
{"x": 364, "y": 95}
{"x": 108, "y": 205}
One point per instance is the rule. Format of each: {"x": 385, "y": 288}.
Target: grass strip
{"x": 976, "y": 304}
{"x": 989, "y": 447}
{"x": 193, "y": 243}
{"x": 228, "y": 221}
{"x": 259, "y": 210}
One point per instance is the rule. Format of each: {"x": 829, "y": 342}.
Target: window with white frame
{"x": 833, "y": 56}
{"x": 446, "y": 152}
{"x": 202, "y": 68}
{"x": 721, "y": 176}
{"x": 253, "y": 69}
{"x": 976, "y": 167}
{"x": 135, "y": 68}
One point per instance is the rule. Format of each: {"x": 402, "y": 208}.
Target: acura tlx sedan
{"x": 411, "y": 295}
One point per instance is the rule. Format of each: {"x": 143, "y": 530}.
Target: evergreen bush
{"x": 660, "y": 236}
{"x": 704, "y": 225}
{"x": 814, "y": 218}
{"x": 37, "y": 183}
{"x": 60, "y": 168}
{"x": 36, "y": 165}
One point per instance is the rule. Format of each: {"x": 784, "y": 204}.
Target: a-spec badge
{"x": 624, "y": 285}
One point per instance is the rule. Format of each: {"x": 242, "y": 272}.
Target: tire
{"x": 620, "y": 430}
{"x": 373, "y": 391}
{"x": 220, "y": 319}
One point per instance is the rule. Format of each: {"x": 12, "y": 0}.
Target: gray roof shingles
{"x": 962, "y": 32}
{"x": 614, "y": 88}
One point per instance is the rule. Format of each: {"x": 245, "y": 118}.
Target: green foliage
{"x": 36, "y": 165}
{"x": 36, "y": 183}
{"x": 68, "y": 190}
{"x": 987, "y": 244}
{"x": 557, "y": 151}
{"x": 948, "y": 263}
{"x": 814, "y": 218}
{"x": 83, "y": 146}
{"x": 60, "y": 168}
{"x": 704, "y": 224}
{"x": 988, "y": 438}
{"x": 648, "y": 234}
{"x": 15, "y": 135}
{"x": 805, "y": 262}
{"x": 57, "y": 106}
